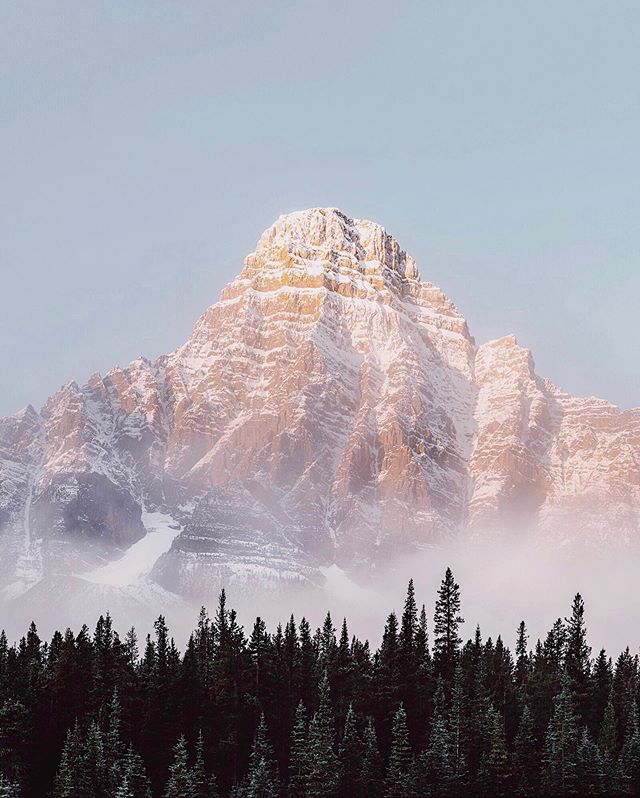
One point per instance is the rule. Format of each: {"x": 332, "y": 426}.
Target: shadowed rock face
{"x": 331, "y": 407}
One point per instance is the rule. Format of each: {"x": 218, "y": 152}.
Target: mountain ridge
{"x": 331, "y": 407}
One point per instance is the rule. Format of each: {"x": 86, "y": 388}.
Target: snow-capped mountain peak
{"x": 331, "y": 408}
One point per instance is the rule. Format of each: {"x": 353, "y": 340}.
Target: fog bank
{"x": 500, "y": 586}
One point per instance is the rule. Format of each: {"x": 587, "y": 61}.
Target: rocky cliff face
{"x": 331, "y": 407}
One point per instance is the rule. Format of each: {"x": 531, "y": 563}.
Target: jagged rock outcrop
{"x": 331, "y": 407}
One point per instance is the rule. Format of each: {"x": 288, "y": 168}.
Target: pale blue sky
{"x": 145, "y": 146}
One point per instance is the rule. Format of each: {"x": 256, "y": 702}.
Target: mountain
{"x": 331, "y": 408}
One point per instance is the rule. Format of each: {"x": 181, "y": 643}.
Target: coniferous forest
{"x": 298, "y": 713}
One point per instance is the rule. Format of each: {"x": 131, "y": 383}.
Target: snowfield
{"x": 137, "y": 562}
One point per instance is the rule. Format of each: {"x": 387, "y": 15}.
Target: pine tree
{"x": 561, "y": 746}
{"x": 577, "y": 655}
{"x": 590, "y": 776}
{"x": 201, "y": 787}
{"x": 180, "y": 784}
{"x": 362, "y": 670}
{"x": 213, "y": 787}
{"x": 291, "y": 684}
{"x": 424, "y": 678}
{"x": 456, "y": 720}
{"x": 9, "y": 789}
{"x": 298, "y": 763}
{"x": 522, "y": 657}
{"x": 436, "y": 767}
{"x": 599, "y": 690}
{"x": 409, "y": 662}
{"x": 262, "y": 779}
{"x": 608, "y": 737}
{"x": 94, "y": 764}
{"x": 577, "y": 651}
{"x": 327, "y": 642}
{"x": 400, "y": 779}
{"x": 308, "y": 665}
{"x": 134, "y": 773}
{"x": 387, "y": 680}
{"x": 409, "y": 623}
{"x": 625, "y": 683}
{"x": 447, "y": 620}
{"x": 113, "y": 746}
{"x": 495, "y": 765}
{"x": 14, "y": 724}
{"x": 260, "y": 782}
{"x": 323, "y": 766}
{"x": 69, "y": 777}
{"x": 124, "y": 789}
{"x": 371, "y": 771}
{"x": 131, "y": 647}
{"x": 259, "y": 649}
{"x": 350, "y": 756}
{"x": 525, "y": 762}
{"x": 341, "y": 675}
{"x": 555, "y": 644}
{"x": 477, "y": 702}
{"x": 627, "y": 775}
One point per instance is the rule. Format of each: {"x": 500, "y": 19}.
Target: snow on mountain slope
{"x": 138, "y": 560}
{"x": 331, "y": 408}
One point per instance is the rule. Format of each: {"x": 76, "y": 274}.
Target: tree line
{"x": 298, "y": 713}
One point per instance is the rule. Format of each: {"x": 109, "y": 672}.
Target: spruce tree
{"x": 599, "y": 690}
{"x": 495, "y": 773}
{"x": 477, "y": 703}
{"x": 436, "y": 767}
{"x": 14, "y": 729}
{"x": 561, "y": 746}
{"x": 409, "y": 662}
{"x": 323, "y": 766}
{"x": 350, "y": 756}
{"x": 308, "y": 666}
{"x": 625, "y": 683}
{"x": 400, "y": 778}
{"x": 371, "y": 771}
{"x": 341, "y": 675}
{"x": 577, "y": 656}
{"x": 522, "y": 659}
{"x": 69, "y": 777}
{"x": 262, "y": 778}
{"x": 260, "y": 782}
{"x": 124, "y": 790}
{"x": 387, "y": 680}
{"x": 608, "y": 738}
{"x": 447, "y": 620}
{"x": 113, "y": 746}
{"x": 456, "y": 720}
{"x": 590, "y": 776}
{"x": 201, "y": 787}
{"x": 409, "y": 623}
{"x": 95, "y": 772}
{"x": 180, "y": 783}
{"x": 134, "y": 772}
{"x": 577, "y": 651}
{"x": 627, "y": 776}
{"x": 327, "y": 642}
{"x": 424, "y": 679}
{"x": 298, "y": 762}
{"x": 9, "y": 789}
{"x": 524, "y": 760}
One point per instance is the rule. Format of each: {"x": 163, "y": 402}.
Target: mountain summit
{"x": 330, "y": 408}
